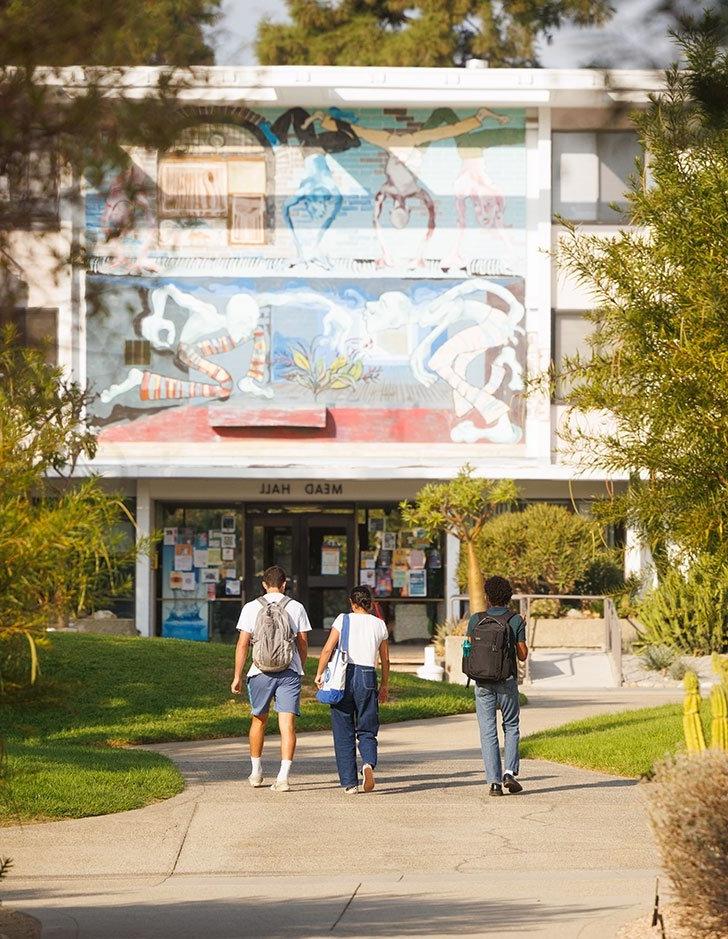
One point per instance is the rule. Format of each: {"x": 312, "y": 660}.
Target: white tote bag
{"x": 332, "y": 689}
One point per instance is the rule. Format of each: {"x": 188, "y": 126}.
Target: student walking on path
{"x": 356, "y": 716}
{"x": 276, "y": 627}
{"x": 497, "y": 628}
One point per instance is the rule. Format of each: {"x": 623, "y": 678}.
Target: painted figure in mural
{"x": 318, "y": 194}
{"x": 449, "y": 360}
{"x": 206, "y": 333}
{"x": 401, "y": 184}
{"x": 128, "y": 214}
{"x": 472, "y": 186}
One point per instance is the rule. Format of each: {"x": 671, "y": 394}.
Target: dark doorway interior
{"x": 317, "y": 551}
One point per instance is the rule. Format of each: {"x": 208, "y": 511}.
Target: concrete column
{"x": 538, "y": 279}
{"x": 452, "y": 556}
{"x": 144, "y": 592}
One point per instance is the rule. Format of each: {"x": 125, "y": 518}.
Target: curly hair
{"x": 498, "y": 590}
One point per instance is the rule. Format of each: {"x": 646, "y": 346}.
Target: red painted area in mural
{"x": 192, "y": 424}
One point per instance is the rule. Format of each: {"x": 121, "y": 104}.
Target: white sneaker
{"x": 351, "y": 790}
{"x": 256, "y": 780}
{"x": 368, "y": 774}
{"x": 281, "y": 785}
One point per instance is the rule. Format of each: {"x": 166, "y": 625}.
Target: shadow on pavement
{"x": 362, "y": 914}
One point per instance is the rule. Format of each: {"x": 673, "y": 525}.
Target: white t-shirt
{"x": 366, "y": 634}
{"x": 296, "y": 614}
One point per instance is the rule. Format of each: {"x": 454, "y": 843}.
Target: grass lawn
{"x": 625, "y": 744}
{"x": 66, "y": 739}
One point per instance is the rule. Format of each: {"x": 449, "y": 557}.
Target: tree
{"x": 543, "y": 549}
{"x": 420, "y": 33}
{"x": 461, "y": 507}
{"x": 657, "y": 362}
{"x": 61, "y": 549}
{"x": 85, "y": 32}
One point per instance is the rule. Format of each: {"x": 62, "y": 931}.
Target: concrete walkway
{"x": 426, "y": 854}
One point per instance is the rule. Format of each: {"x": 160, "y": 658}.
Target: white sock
{"x": 257, "y": 764}
{"x": 284, "y": 770}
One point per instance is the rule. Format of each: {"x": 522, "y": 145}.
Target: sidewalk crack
{"x": 182, "y": 843}
{"x": 348, "y": 904}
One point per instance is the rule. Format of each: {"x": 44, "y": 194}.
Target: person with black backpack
{"x": 276, "y": 627}
{"x": 495, "y": 642}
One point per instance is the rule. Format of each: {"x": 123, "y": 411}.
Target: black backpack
{"x": 491, "y": 653}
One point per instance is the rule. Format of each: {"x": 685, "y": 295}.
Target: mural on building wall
{"x": 454, "y": 351}
{"x": 370, "y": 262}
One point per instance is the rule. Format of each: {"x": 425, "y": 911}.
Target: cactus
{"x": 692, "y": 726}
{"x": 720, "y": 666}
{"x": 719, "y": 718}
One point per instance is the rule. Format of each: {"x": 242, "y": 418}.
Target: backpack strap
{"x": 284, "y": 602}
{"x": 344, "y": 637}
{"x": 263, "y": 602}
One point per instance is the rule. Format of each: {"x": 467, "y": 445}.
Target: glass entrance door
{"x": 316, "y": 550}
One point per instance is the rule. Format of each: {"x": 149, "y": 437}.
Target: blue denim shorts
{"x": 283, "y": 688}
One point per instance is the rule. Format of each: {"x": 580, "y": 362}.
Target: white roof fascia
{"x": 289, "y": 84}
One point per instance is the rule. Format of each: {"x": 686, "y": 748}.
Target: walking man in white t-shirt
{"x": 282, "y": 688}
{"x": 356, "y": 717}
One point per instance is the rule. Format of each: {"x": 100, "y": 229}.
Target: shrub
{"x": 545, "y": 608}
{"x": 605, "y": 574}
{"x": 450, "y": 627}
{"x": 657, "y": 658}
{"x": 544, "y": 549}
{"x": 689, "y": 815}
{"x": 688, "y": 611}
{"x": 678, "y": 670}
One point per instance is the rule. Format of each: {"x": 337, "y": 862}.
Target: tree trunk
{"x": 475, "y": 580}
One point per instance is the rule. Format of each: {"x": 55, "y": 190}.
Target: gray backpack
{"x": 273, "y": 637}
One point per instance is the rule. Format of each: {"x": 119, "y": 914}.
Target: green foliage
{"x": 544, "y": 549}
{"x": 449, "y": 627}
{"x": 547, "y": 609}
{"x": 658, "y": 356}
{"x": 60, "y": 546}
{"x": 461, "y": 506}
{"x": 688, "y": 611}
{"x": 97, "y": 694}
{"x": 433, "y": 33}
{"x": 677, "y": 670}
{"x": 657, "y": 658}
{"x": 624, "y": 744}
{"x": 82, "y": 32}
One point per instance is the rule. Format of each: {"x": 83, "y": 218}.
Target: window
{"x": 29, "y": 190}
{"x": 38, "y": 328}
{"x": 590, "y": 170}
{"x": 212, "y": 189}
{"x": 137, "y": 352}
{"x": 570, "y": 333}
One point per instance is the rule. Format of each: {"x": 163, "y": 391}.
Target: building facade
{"x": 332, "y": 289}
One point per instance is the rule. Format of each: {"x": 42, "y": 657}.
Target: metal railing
{"x": 611, "y": 641}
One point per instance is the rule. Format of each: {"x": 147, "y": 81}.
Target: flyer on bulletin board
{"x": 170, "y": 536}
{"x": 214, "y": 557}
{"x": 330, "y": 560}
{"x": 368, "y": 578}
{"x": 188, "y": 580}
{"x": 368, "y": 559}
{"x": 183, "y": 557}
{"x": 418, "y": 583}
{"x": 175, "y": 580}
{"x": 199, "y": 557}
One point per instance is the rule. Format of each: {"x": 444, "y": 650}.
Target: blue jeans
{"x": 356, "y": 717}
{"x": 498, "y": 696}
